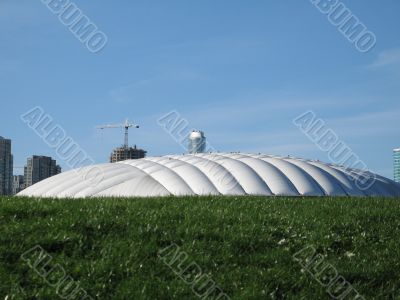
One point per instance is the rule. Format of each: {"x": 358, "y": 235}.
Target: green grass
{"x": 245, "y": 244}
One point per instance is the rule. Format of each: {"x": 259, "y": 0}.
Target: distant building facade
{"x": 197, "y": 142}
{"x": 6, "y": 167}
{"x": 396, "y": 158}
{"x": 38, "y": 168}
{"x": 18, "y": 184}
{"x": 121, "y": 153}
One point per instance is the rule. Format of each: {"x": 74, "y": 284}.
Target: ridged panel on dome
{"x": 175, "y": 184}
{"x": 277, "y": 182}
{"x": 143, "y": 186}
{"x": 222, "y": 179}
{"x": 195, "y": 179}
{"x": 251, "y": 183}
{"x": 329, "y": 185}
{"x": 304, "y": 183}
{"x": 348, "y": 185}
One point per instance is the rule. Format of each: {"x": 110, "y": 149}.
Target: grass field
{"x": 120, "y": 248}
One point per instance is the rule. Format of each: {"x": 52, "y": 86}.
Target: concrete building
{"x": 6, "y": 167}
{"x": 197, "y": 142}
{"x": 396, "y": 165}
{"x": 122, "y": 153}
{"x": 18, "y": 184}
{"x": 39, "y": 168}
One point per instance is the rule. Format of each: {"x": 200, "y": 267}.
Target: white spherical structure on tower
{"x": 197, "y": 142}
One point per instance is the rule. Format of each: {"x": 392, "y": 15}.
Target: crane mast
{"x": 126, "y": 126}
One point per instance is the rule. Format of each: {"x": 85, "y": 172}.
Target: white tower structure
{"x": 197, "y": 142}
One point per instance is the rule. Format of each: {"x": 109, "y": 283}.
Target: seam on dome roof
{"x": 143, "y": 170}
{"x": 226, "y": 156}
{"x": 327, "y": 174}
{"x": 112, "y": 171}
{"x": 216, "y": 154}
{"x": 375, "y": 188}
{"x": 262, "y": 179}
{"x": 312, "y": 178}
{"x": 215, "y": 162}
{"x": 192, "y": 165}
{"x": 129, "y": 179}
{"x": 44, "y": 186}
{"x": 349, "y": 173}
{"x": 262, "y": 156}
{"x": 62, "y": 180}
{"x": 119, "y": 183}
{"x": 146, "y": 159}
{"x": 306, "y": 175}
{"x": 185, "y": 163}
{"x": 341, "y": 185}
{"x": 345, "y": 174}
{"x": 277, "y": 170}
{"x": 378, "y": 185}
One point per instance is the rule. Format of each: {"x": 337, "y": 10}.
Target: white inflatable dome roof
{"x": 214, "y": 174}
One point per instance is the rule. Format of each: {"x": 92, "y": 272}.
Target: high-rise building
{"x": 6, "y": 167}
{"x": 18, "y": 184}
{"x": 396, "y": 165}
{"x": 197, "y": 142}
{"x": 123, "y": 153}
{"x": 38, "y": 168}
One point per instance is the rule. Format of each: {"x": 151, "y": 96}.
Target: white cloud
{"x": 387, "y": 58}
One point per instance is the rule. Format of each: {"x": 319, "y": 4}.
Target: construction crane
{"x": 125, "y": 125}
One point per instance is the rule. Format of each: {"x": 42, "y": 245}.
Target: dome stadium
{"x": 214, "y": 174}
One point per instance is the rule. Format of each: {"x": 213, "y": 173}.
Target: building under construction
{"x": 123, "y": 153}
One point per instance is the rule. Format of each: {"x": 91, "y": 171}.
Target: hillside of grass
{"x": 245, "y": 246}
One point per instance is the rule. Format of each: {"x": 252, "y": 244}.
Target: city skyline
{"x": 241, "y": 80}
{"x": 36, "y": 169}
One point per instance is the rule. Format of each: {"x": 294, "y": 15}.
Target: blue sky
{"x": 237, "y": 70}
